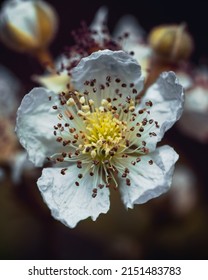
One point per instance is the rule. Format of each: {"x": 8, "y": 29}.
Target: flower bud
{"x": 171, "y": 42}
{"x": 28, "y": 26}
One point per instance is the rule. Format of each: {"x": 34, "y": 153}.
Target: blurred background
{"x": 173, "y": 226}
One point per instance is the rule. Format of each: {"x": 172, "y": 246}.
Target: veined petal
{"x": 104, "y": 66}
{"x": 35, "y": 121}
{"x": 68, "y": 202}
{"x": 149, "y": 181}
{"x": 167, "y": 97}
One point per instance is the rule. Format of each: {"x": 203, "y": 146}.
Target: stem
{"x": 45, "y": 59}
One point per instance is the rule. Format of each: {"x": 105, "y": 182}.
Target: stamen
{"x": 102, "y": 137}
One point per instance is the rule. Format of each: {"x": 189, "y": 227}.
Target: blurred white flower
{"x": 19, "y": 165}
{"x": 28, "y": 26}
{"x": 100, "y": 138}
{"x": 10, "y": 153}
{"x": 9, "y": 93}
{"x": 194, "y": 121}
{"x": 183, "y": 193}
{"x": 9, "y": 101}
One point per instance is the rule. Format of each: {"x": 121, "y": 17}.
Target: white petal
{"x": 19, "y": 164}
{"x": 197, "y": 100}
{"x": 142, "y": 54}
{"x": 129, "y": 24}
{"x": 98, "y": 23}
{"x": 34, "y": 127}
{"x": 149, "y": 181}
{"x": 102, "y": 64}
{"x": 183, "y": 194}
{"x": 70, "y": 203}
{"x": 168, "y": 99}
{"x": 184, "y": 79}
{"x": 134, "y": 42}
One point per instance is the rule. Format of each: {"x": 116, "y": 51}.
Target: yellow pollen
{"x": 104, "y": 134}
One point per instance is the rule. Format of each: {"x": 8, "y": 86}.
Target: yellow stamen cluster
{"x": 104, "y": 134}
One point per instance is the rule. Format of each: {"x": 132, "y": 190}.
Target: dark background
{"x": 150, "y": 231}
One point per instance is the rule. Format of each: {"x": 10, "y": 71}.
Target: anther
{"x": 66, "y": 142}
{"x": 79, "y": 164}
{"x": 128, "y": 182}
{"x": 149, "y": 103}
{"x": 117, "y": 80}
{"x": 108, "y": 79}
{"x": 63, "y": 171}
{"x": 59, "y": 139}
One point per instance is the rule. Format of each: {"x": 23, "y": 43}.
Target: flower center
{"x": 103, "y": 137}
{"x": 104, "y": 134}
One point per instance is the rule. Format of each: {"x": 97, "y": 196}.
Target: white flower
{"x": 100, "y": 138}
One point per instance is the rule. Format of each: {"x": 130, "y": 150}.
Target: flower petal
{"x": 149, "y": 181}
{"x": 103, "y": 64}
{"x": 168, "y": 98}
{"x": 129, "y": 24}
{"x": 134, "y": 43}
{"x": 19, "y": 164}
{"x": 98, "y": 24}
{"x": 35, "y": 121}
{"x": 70, "y": 203}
